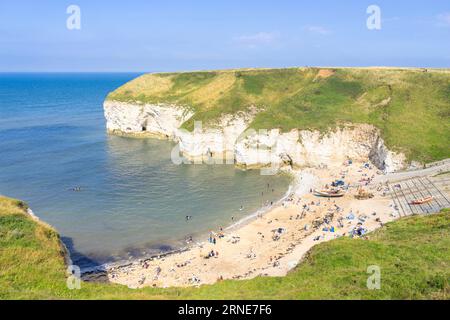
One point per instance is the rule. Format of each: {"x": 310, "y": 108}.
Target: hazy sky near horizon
{"x": 140, "y": 35}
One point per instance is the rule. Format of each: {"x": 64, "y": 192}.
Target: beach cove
{"x": 136, "y": 217}
{"x": 272, "y": 243}
{"x": 331, "y": 146}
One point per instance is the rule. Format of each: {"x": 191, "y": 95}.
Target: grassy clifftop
{"x": 413, "y": 255}
{"x": 410, "y": 106}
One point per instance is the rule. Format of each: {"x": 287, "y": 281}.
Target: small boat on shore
{"x": 422, "y": 201}
{"x": 328, "y": 193}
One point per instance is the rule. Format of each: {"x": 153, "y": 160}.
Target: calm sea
{"x": 133, "y": 199}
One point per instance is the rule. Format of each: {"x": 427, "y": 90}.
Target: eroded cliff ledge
{"x": 230, "y": 139}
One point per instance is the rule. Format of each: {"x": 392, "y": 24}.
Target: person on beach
{"x": 158, "y": 271}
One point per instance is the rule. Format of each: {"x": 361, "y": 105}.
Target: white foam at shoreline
{"x": 303, "y": 182}
{"x": 262, "y": 210}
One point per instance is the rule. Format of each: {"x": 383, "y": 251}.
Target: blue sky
{"x": 192, "y": 35}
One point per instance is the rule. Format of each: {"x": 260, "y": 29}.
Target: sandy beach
{"x": 273, "y": 243}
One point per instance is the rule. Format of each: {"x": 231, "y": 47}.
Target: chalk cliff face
{"x": 311, "y": 148}
{"x": 160, "y": 120}
{"x": 218, "y": 140}
{"x": 230, "y": 141}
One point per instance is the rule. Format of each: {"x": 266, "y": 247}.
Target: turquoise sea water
{"x": 133, "y": 199}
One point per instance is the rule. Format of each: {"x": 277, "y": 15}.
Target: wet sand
{"x": 270, "y": 244}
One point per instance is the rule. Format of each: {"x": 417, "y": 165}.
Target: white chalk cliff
{"x": 230, "y": 140}
{"x": 161, "y": 120}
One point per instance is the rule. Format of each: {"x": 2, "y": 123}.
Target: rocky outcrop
{"x": 153, "y": 119}
{"x": 311, "y": 148}
{"x": 230, "y": 141}
{"x": 217, "y": 140}
{"x": 385, "y": 159}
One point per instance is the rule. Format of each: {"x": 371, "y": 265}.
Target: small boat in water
{"x": 423, "y": 200}
{"x": 328, "y": 193}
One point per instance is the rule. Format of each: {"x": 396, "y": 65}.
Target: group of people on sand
{"x": 212, "y": 254}
{"x": 213, "y": 236}
{"x": 212, "y": 239}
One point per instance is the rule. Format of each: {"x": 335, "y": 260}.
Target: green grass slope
{"x": 413, "y": 254}
{"x": 410, "y": 106}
